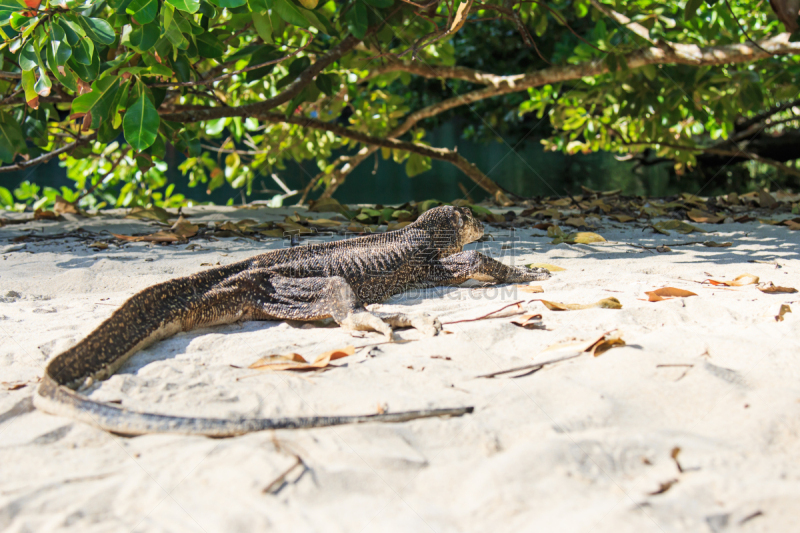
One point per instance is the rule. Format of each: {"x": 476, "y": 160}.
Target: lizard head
{"x": 454, "y": 227}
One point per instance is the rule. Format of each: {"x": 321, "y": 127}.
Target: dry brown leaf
{"x": 765, "y": 199}
{"x": 575, "y": 222}
{"x": 298, "y": 362}
{"x": 63, "y": 206}
{"x": 99, "y": 245}
{"x": 697, "y": 215}
{"x": 543, "y": 225}
{"x": 663, "y": 248}
{"x": 740, "y": 281}
{"x": 40, "y": 214}
{"x": 712, "y": 244}
{"x": 770, "y": 288}
{"x": 183, "y": 228}
{"x": 529, "y": 322}
{"x": 622, "y": 218}
{"x": 159, "y": 236}
{"x": 272, "y": 232}
{"x": 793, "y": 224}
{"x": 605, "y": 303}
{"x": 605, "y": 343}
{"x": 324, "y": 223}
{"x": 16, "y": 385}
{"x": 783, "y": 310}
{"x": 667, "y": 293}
{"x": 546, "y": 266}
{"x": 676, "y": 225}
{"x": 530, "y": 288}
{"x": 152, "y": 213}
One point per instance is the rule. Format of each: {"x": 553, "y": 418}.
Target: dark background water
{"x": 522, "y": 167}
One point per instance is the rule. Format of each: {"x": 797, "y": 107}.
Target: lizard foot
{"x": 423, "y": 322}
{"x": 366, "y": 321}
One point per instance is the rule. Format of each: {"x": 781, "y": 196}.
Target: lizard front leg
{"x": 460, "y": 267}
{"x": 270, "y": 296}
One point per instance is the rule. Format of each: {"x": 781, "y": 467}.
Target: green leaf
{"x": 87, "y": 73}
{"x": 328, "y": 83}
{"x": 263, "y": 26}
{"x": 6, "y": 199}
{"x": 13, "y": 5}
{"x": 357, "y": 21}
{"x": 59, "y": 46}
{"x": 98, "y": 101}
{"x": 230, "y": 4}
{"x": 43, "y": 84}
{"x": 144, "y": 11}
{"x": 97, "y": 30}
{"x": 143, "y": 38}
{"x": 11, "y": 140}
{"x": 63, "y": 74}
{"x": 691, "y": 9}
{"x": 28, "y": 81}
{"x": 27, "y": 57}
{"x": 209, "y": 46}
{"x": 190, "y": 6}
{"x": 141, "y": 124}
{"x": 319, "y": 21}
{"x": 417, "y": 164}
{"x": 83, "y": 51}
{"x": 290, "y": 13}
{"x": 73, "y": 32}
{"x": 380, "y": 3}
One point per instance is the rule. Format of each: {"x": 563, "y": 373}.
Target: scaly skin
{"x": 312, "y": 282}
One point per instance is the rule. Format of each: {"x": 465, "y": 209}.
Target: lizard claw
{"x": 366, "y": 321}
{"x": 426, "y": 324}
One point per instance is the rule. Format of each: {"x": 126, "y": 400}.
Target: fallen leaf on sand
{"x": 184, "y": 228}
{"x": 153, "y": 213}
{"x": 605, "y": 303}
{"x": 575, "y": 222}
{"x": 297, "y": 362}
{"x": 712, "y": 244}
{"x": 596, "y": 346}
{"x": 40, "y": 214}
{"x": 99, "y": 245}
{"x": 63, "y": 206}
{"x": 793, "y": 224}
{"x": 667, "y": 293}
{"x": 697, "y": 215}
{"x": 740, "y": 281}
{"x": 605, "y": 343}
{"x": 546, "y": 266}
{"x": 783, "y": 310}
{"x": 622, "y": 218}
{"x": 529, "y": 322}
{"x": 663, "y": 248}
{"x": 159, "y": 236}
{"x": 675, "y": 225}
{"x": 530, "y": 288}
{"x": 581, "y": 237}
{"x": 16, "y": 385}
{"x": 769, "y": 288}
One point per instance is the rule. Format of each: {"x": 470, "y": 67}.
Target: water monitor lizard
{"x": 328, "y": 280}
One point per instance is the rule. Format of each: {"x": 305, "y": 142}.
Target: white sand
{"x": 578, "y": 446}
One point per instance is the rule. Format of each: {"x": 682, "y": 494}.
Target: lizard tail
{"x": 59, "y": 400}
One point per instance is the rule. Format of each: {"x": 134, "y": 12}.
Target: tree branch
{"x": 442, "y": 154}
{"x": 44, "y": 158}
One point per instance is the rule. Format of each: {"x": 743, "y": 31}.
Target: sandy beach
{"x": 693, "y": 425}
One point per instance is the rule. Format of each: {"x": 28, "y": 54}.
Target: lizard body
{"x": 328, "y": 280}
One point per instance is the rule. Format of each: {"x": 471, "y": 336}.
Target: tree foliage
{"x": 241, "y": 87}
